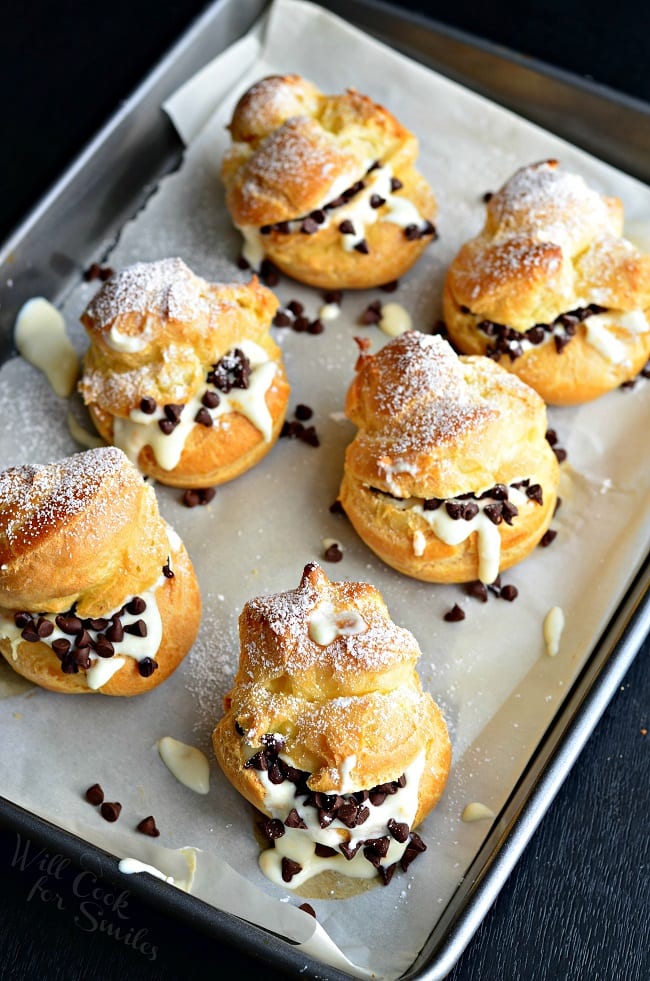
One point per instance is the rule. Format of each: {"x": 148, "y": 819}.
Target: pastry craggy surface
{"x": 156, "y": 330}
{"x": 433, "y": 427}
{"x": 550, "y": 258}
{"x": 297, "y": 156}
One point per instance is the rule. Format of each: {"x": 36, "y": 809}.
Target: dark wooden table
{"x": 575, "y": 907}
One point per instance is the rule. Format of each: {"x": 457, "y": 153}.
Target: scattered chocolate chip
{"x": 487, "y": 196}
{"x": 148, "y": 827}
{"x": 167, "y": 570}
{"x": 310, "y": 436}
{"x": 95, "y": 795}
{"x": 548, "y": 537}
{"x": 362, "y": 247}
{"x": 282, "y": 319}
{"x": 395, "y": 184}
{"x": 509, "y": 593}
{"x": 455, "y": 614}
{"x": 390, "y": 287}
{"x": 333, "y": 296}
{"x": 110, "y": 810}
{"x": 296, "y": 307}
{"x": 301, "y": 325}
{"x": 316, "y": 326}
{"x": 333, "y": 553}
{"x": 306, "y": 908}
{"x": 242, "y": 263}
{"x": 346, "y": 227}
{"x": 478, "y": 590}
{"x": 371, "y": 315}
{"x": 303, "y": 412}
{"x": 376, "y": 201}
{"x": 336, "y": 507}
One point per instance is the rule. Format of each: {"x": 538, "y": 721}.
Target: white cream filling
{"x": 395, "y": 319}
{"x": 102, "y": 669}
{"x": 297, "y": 844}
{"x": 397, "y": 209}
{"x": 453, "y": 531}
{"x": 326, "y": 624}
{"x": 123, "y": 342}
{"x": 553, "y": 627}
{"x": 140, "y": 430}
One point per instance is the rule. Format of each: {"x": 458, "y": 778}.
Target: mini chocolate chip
{"x": 105, "y": 273}
{"x": 83, "y": 639}
{"x": 488, "y": 196}
{"x": 207, "y": 494}
{"x": 399, "y": 830}
{"x": 301, "y": 325}
{"x": 346, "y": 227}
{"x": 242, "y": 263}
{"x": 147, "y": 826}
{"x": 272, "y": 829}
{"x": 349, "y": 851}
{"x": 493, "y": 512}
{"x": 115, "y": 633}
{"x": 166, "y": 426}
{"x": 376, "y": 201}
{"x": 509, "y": 593}
{"x": 390, "y": 287}
{"x": 454, "y": 509}
{"x": 362, "y": 247}
{"x": 95, "y": 795}
{"x": 266, "y": 229}
{"x": 478, "y": 590}
{"x": 293, "y": 820}
{"x": 534, "y": 492}
{"x": 110, "y": 810}
{"x": 30, "y": 635}
{"x": 23, "y": 619}
{"x": 136, "y": 606}
{"x": 455, "y": 614}
{"x": 371, "y": 315}
{"x": 81, "y": 657}
{"x": 103, "y": 647}
{"x": 296, "y": 307}
{"x": 395, "y": 184}
{"x": 509, "y": 511}
{"x": 306, "y": 908}
{"x": 347, "y": 813}
{"x": 470, "y": 510}
{"x": 289, "y": 869}
{"x": 333, "y": 296}
{"x": 318, "y": 216}
{"x": 377, "y": 797}
{"x": 69, "y": 664}
{"x": 309, "y": 226}
{"x": 324, "y": 851}
{"x": 147, "y": 666}
{"x": 316, "y": 326}
{"x": 336, "y": 507}
{"x": 92, "y": 272}
{"x": 282, "y": 319}
{"x": 68, "y": 624}
{"x": 560, "y": 454}
{"x": 191, "y": 498}
{"x": 44, "y": 628}
{"x": 173, "y": 411}
{"x": 411, "y": 232}
{"x": 167, "y": 570}
{"x": 61, "y": 646}
{"x": 292, "y": 430}
{"x": 303, "y": 412}
{"x": 333, "y": 553}
{"x": 283, "y": 227}
{"x": 276, "y": 776}
{"x": 138, "y": 628}
{"x": 148, "y": 405}
{"x": 431, "y": 504}
{"x": 204, "y": 418}
{"x": 310, "y": 436}
{"x": 548, "y": 537}
{"x": 96, "y": 623}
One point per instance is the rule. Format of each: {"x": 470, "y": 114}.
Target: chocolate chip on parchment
{"x": 478, "y": 590}
{"x": 95, "y": 795}
{"x": 333, "y": 553}
{"x": 455, "y": 614}
{"x": 548, "y": 537}
{"x": 110, "y": 810}
{"x": 303, "y": 412}
{"x": 306, "y": 908}
{"x": 148, "y": 827}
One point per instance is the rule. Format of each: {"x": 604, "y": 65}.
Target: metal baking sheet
{"x": 46, "y": 257}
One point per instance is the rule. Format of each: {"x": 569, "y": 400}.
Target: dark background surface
{"x": 575, "y": 906}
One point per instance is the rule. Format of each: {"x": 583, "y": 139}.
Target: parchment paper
{"x": 490, "y": 673}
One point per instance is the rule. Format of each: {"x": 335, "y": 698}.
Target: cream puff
{"x": 328, "y": 732}
{"x": 97, "y": 592}
{"x": 551, "y": 289}
{"x": 450, "y": 477}
{"x": 325, "y": 186}
{"x": 182, "y": 374}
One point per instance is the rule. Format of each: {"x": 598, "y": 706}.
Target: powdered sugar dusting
{"x": 166, "y": 288}
{"x": 35, "y": 497}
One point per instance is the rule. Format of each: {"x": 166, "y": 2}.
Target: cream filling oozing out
{"x": 298, "y": 844}
{"x": 597, "y": 333}
{"x": 453, "y": 531}
{"x": 396, "y": 209}
{"x": 102, "y": 669}
{"x": 140, "y": 430}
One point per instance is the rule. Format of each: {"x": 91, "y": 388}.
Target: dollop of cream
{"x": 553, "y": 627}
{"x": 395, "y": 319}
{"x": 40, "y": 337}
{"x": 326, "y": 624}
{"x": 187, "y": 763}
{"x": 476, "y": 811}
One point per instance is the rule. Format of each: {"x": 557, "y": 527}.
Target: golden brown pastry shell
{"x": 179, "y": 604}
{"x": 358, "y": 696}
